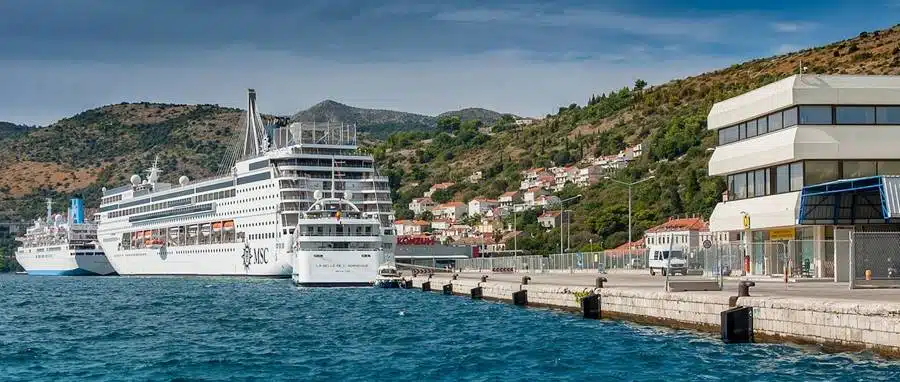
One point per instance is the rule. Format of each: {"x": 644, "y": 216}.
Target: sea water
{"x": 233, "y": 329}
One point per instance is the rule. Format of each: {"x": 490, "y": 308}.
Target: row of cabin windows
{"x": 173, "y": 203}
{"x": 793, "y": 176}
{"x": 810, "y": 115}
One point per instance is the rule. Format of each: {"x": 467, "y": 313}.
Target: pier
{"x": 812, "y": 313}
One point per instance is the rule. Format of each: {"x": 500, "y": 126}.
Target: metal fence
{"x": 571, "y": 262}
{"x": 875, "y": 260}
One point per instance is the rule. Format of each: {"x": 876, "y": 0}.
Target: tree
{"x": 639, "y": 85}
{"x": 449, "y": 124}
{"x": 442, "y": 196}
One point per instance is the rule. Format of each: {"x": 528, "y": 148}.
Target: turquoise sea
{"x": 226, "y": 329}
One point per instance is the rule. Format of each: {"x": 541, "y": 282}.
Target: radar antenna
{"x": 154, "y": 171}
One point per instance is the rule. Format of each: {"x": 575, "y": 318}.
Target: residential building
{"x": 437, "y": 187}
{"x": 531, "y": 177}
{"x": 525, "y": 121}
{"x": 530, "y": 197}
{"x": 778, "y": 145}
{"x": 450, "y": 210}
{"x": 508, "y": 199}
{"x": 589, "y": 175}
{"x": 546, "y": 201}
{"x": 551, "y": 219}
{"x": 479, "y": 206}
{"x": 685, "y": 232}
{"x": 440, "y": 225}
{"x": 636, "y": 151}
{"x": 411, "y": 227}
{"x": 420, "y": 205}
{"x": 564, "y": 176}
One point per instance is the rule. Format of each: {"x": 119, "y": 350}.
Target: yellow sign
{"x": 746, "y": 221}
{"x": 781, "y": 234}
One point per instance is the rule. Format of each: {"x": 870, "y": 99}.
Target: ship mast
{"x": 255, "y": 138}
{"x": 49, "y": 210}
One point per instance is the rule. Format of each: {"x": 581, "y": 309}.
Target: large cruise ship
{"x": 58, "y": 246}
{"x": 243, "y": 222}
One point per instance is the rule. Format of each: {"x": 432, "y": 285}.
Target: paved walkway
{"x": 774, "y": 288}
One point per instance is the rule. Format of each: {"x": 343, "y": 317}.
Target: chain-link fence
{"x": 814, "y": 258}
{"x": 875, "y": 260}
{"x": 571, "y": 262}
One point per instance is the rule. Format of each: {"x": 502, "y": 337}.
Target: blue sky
{"x": 59, "y": 57}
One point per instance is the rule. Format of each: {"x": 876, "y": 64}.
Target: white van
{"x": 665, "y": 262}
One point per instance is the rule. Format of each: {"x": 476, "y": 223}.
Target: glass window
{"x": 762, "y": 126}
{"x": 815, "y": 115}
{"x": 782, "y": 179}
{"x": 858, "y": 169}
{"x": 740, "y": 186}
{"x": 775, "y": 121}
{"x": 762, "y": 184}
{"x": 891, "y": 167}
{"x": 742, "y": 131}
{"x": 730, "y": 185}
{"x": 790, "y": 117}
{"x": 888, "y": 115}
{"x": 797, "y": 175}
{"x": 821, "y": 171}
{"x": 728, "y": 135}
{"x": 854, "y": 115}
{"x": 751, "y": 185}
{"x": 751, "y": 129}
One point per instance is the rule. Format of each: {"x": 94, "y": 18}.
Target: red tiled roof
{"x": 681, "y": 224}
{"x": 510, "y": 194}
{"x": 634, "y": 245}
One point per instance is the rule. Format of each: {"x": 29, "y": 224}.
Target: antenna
{"x": 154, "y": 171}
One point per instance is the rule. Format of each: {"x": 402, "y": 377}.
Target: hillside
{"x": 669, "y": 119}
{"x": 382, "y": 123}
{"x": 10, "y": 129}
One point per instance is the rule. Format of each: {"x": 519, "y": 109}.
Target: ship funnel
{"x": 76, "y": 208}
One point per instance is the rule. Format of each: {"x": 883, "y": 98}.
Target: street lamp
{"x": 561, "y": 204}
{"x": 629, "y": 198}
{"x": 515, "y": 234}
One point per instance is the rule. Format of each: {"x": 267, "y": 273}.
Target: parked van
{"x": 667, "y": 260}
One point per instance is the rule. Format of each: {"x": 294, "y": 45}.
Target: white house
{"x": 450, "y": 210}
{"x": 410, "y": 227}
{"x": 475, "y": 177}
{"x": 479, "y": 206}
{"x": 508, "y": 199}
{"x": 420, "y": 205}
{"x": 531, "y": 177}
{"x": 530, "y": 196}
{"x": 588, "y": 176}
{"x": 779, "y": 143}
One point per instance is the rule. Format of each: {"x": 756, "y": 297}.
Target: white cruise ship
{"x": 337, "y": 244}
{"x": 244, "y": 221}
{"x": 58, "y": 246}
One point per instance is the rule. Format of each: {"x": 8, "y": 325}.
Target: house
{"x": 546, "y": 201}
{"x": 479, "y": 206}
{"x": 508, "y": 199}
{"x": 440, "y": 225}
{"x": 565, "y": 175}
{"x": 636, "y": 151}
{"x": 450, "y": 210}
{"x": 525, "y": 121}
{"x": 531, "y": 176}
{"x": 681, "y": 232}
{"x": 411, "y": 227}
{"x": 530, "y": 196}
{"x": 437, "y": 187}
{"x": 545, "y": 181}
{"x": 420, "y": 205}
{"x": 489, "y": 225}
{"x": 589, "y": 175}
{"x": 551, "y": 219}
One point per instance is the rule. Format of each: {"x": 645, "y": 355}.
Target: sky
{"x": 60, "y": 57}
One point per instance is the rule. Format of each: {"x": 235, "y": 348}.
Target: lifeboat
{"x": 217, "y": 226}
{"x": 229, "y": 225}
{"x": 204, "y": 230}
{"x": 192, "y": 231}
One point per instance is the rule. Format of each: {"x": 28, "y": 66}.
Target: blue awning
{"x": 869, "y": 200}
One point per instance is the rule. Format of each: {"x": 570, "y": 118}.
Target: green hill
{"x": 11, "y": 129}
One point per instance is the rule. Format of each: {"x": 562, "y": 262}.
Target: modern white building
{"x": 804, "y": 160}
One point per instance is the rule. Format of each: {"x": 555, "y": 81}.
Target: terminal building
{"x": 807, "y": 160}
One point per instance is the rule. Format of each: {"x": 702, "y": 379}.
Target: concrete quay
{"x": 826, "y": 314}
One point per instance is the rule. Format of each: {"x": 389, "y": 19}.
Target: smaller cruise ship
{"x": 58, "y": 246}
{"x": 337, "y": 245}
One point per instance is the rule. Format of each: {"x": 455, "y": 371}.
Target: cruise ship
{"x": 58, "y": 246}
{"x": 243, "y": 222}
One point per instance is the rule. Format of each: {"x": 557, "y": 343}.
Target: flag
{"x": 338, "y": 215}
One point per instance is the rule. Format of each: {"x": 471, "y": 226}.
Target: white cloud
{"x": 792, "y": 27}
{"x": 505, "y": 81}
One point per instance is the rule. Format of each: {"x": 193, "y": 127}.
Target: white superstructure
{"x": 243, "y": 222}
{"x": 338, "y": 245}
{"x": 58, "y": 246}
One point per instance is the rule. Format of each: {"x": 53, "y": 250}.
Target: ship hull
{"x": 231, "y": 259}
{"x": 65, "y": 263}
{"x": 335, "y": 268}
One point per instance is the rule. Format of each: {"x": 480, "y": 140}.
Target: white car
{"x": 667, "y": 260}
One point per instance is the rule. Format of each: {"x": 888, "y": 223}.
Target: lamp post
{"x": 629, "y": 185}
{"x": 515, "y": 234}
{"x": 561, "y": 204}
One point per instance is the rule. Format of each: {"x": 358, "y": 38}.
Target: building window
{"x": 797, "y": 170}
{"x": 815, "y": 115}
{"x": 854, "y": 115}
{"x": 740, "y": 185}
{"x": 762, "y": 125}
{"x": 823, "y": 171}
{"x": 887, "y": 115}
{"x": 858, "y": 169}
{"x": 890, "y": 167}
{"x": 751, "y": 129}
{"x": 762, "y": 183}
{"x": 790, "y": 117}
{"x": 782, "y": 179}
{"x": 728, "y": 135}
{"x": 775, "y": 121}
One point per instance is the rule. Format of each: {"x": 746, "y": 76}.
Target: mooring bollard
{"x": 744, "y": 288}
{"x": 454, "y": 276}
{"x": 600, "y": 281}
{"x": 476, "y": 293}
{"x": 525, "y": 280}
{"x": 590, "y": 306}
{"x": 520, "y": 298}
{"x": 483, "y": 278}
{"x": 426, "y": 286}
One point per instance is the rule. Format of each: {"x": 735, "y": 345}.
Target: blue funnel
{"x": 76, "y": 208}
